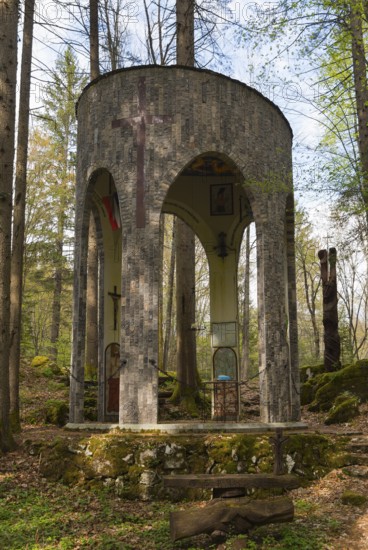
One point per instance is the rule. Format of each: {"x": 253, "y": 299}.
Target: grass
{"x": 54, "y": 516}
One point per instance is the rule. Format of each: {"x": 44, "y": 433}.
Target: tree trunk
{"x": 245, "y": 362}
{"x": 92, "y": 265}
{"x": 8, "y": 81}
{"x": 361, "y": 92}
{"x": 56, "y": 302}
{"x": 92, "y": 303}
{"x": 185, "y": 32}
{"x": 19, "y": 214}
{"x": 330, "y": 313}
{"x": 169, "y": 306}
{"x": 310, "y": 298}
{"x": 185, "y": 248}
{"x": 187, "y": 374}
{"x": 230, "y": 515}
{"x": 93, "y": 39}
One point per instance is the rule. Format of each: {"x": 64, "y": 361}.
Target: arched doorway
{"x": 102, "y": 202}
{"x": 209, "y": 196}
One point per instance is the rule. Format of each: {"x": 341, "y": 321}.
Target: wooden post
{"x": 278, "y": 443}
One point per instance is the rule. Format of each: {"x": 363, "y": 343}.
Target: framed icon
{"x": 221, "y": 199}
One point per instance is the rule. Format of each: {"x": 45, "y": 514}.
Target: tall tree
{"x": 185, "y": 247}
{"x": 329, "y": 41}
{"x": 308, "y": 283}
{"x": 170, "y": 295}
{"x": 59, "y": 119}
{"x": 19, "y": 212}
{"x": 93, "y": 39}
{"x": 8, "y": 80}
{"x": 92, "y": 262}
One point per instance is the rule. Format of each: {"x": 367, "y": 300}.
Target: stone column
{"x": 76, "y": 413}
{"x": 293, "y": 326}
{"x": 141, "y": 270}
{"x": 275, "y": 388}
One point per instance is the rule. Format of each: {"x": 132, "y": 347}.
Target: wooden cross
{"x": 115, "y": 298}
{"x": 138, "y": 123}
{"x": 278, "y": 443}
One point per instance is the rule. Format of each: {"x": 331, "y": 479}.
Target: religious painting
{"x": 112, "y": 370}
{"x": 208, "y": 165}
{"x": 221, "y": 199}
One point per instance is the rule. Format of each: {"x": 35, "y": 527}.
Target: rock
{"x": 356, "y": 471}
{"x": 345, "y": 408}
{"x": 148, "y": 477}
{"x": 147, "y": 457}
{"x": 353, "y": 379}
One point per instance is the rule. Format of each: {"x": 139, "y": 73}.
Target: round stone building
{"x": 217, "y": 154}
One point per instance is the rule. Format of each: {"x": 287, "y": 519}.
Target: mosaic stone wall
{"x": 144, "y": 125}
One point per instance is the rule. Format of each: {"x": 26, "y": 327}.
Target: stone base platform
{"x": 193, "y": 427}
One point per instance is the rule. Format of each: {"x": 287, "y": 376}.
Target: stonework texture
{"x": 144, "y": 125}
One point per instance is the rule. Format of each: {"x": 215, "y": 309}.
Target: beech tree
{"x": 8, "y": 80}
{"x": 328, "y": 42}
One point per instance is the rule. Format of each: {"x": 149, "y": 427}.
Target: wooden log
{"x": 230, "y": 515}
{"x": 227, "y": 481}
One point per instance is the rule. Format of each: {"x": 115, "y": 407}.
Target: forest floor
{"x": 35, "y": 513}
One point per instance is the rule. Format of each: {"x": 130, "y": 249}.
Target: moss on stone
{"x": 107, "y": 454}
{"x": 123, "y": 460}
{"x": 45, "y": 367}
{"x": 353, "y": 378}
{"x": 39, "y": 361}
{"x": 314, "y": 455}
{"x": 56, "y": 412}
{"x": 353, "y": 498}
{"x": 310, "y": 388}
{"x": 310, "y": 371}
{"x": 58, "y": 463}
{"x": 344, "y": 409}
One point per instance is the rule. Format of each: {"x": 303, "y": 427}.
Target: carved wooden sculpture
{"x": 330, "y": 314}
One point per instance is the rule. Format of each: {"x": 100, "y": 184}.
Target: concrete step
{"x": 356, "y": 471}
{"x": 359, "y": 458}
{"x": 358, "y": 446}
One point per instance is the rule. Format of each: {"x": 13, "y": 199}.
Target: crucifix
{"x": 115, "y": 298}
{"x": 138, "y": 123}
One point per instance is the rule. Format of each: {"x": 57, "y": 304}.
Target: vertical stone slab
{"x": 293, "y": 323}
{"x": 76, "y": 413}
{"x": 139, "y": 335}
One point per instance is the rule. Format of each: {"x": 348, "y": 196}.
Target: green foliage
{"x": 50, "y": 217}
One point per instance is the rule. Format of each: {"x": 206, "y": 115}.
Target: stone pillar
{"x": 275, "y": 387}
{"x": 141, "y": 269}
{"x": 76, "y": 413}
{"x": 293, "y": 325}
